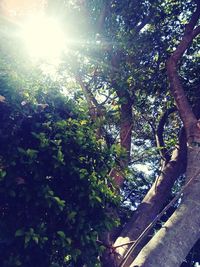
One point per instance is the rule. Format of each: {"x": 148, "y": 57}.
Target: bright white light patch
{"x": 143, "y": 168}
{"x": 43, "y": 38}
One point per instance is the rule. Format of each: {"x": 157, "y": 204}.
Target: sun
{"x": 43, "y": 38}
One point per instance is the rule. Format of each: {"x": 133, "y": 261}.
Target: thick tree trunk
{"x": 126, "y": 124}
{"x": 171, "y": 244}
{"x": 151, "y": 205}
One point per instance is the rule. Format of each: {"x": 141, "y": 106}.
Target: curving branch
{"x": 181, "y": 100}
{"x": 93, "y": 106}
{"x": 159, "y": 134}
{"x": 168, "y": 239}
{"x": 152, "y": 203}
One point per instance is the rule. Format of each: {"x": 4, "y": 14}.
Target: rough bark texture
{"x": 151, "y": 205}
{"x": 182, "y": 104}
{"x": 171, "y": 244}
{"x": 126, "y": 118}
{"x": 126, "y": 125}
{"x": 164, "y": 153}
{"x": 93, "y": 106}
{"x": 170, "y": 240}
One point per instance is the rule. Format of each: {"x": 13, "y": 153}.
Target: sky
{"x": 15, "y": 8}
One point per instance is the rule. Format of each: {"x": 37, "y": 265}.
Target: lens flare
{"x": 43, "y": 38}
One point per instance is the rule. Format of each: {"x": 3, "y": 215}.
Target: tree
{"x": 119, "y": 72}
{"x": 54, "y": 180}
{"x": 171, "y": 239}
{"x": 153, "y": 197}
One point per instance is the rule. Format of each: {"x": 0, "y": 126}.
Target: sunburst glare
{"x": 43, "y": 38}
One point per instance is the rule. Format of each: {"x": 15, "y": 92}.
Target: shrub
{"x": 53, "y": 183}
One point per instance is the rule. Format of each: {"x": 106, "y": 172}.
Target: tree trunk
{"x": 171, "y": 244}
{"x": 151, "y": 205}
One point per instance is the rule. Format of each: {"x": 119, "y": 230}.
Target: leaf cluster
{"x": 53, "y": 183}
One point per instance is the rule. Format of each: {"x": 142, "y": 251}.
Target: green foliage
{"x": 53, "y": 173}
{"x": 53, "y": 183}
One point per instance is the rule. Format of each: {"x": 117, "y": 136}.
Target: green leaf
{"x": 61, "y": 203}
{"x": 61, "y": 234}
{"x": 27, "y": 239}
{"x": 2, "y": 174}
{"x": 32, "y": 153}
{"x": 19, "y": 232}
{"x": 36, "y": 239}
{"x": 83, "y": 122}
{"x": 60, "y": 156}
{"x": 83, "y": 173}
{"x": 69, "y": 241}
{"x": 21, "y": 150}
{"x": 72, "y": 215}
{"x": 98, "y": 199}
{"x": 31, "y": 231}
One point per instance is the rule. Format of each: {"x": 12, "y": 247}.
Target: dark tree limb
{"x": 181, "y": 100}
{"x": 172, "y": 243}
{"x": 102, "y": 16}
{"x": 159, "y": 134}
{"x": 93, "y": 105}
{"x": 153, "y": 202}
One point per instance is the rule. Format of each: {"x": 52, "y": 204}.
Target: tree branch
{"x": 93, "y": 105}
{"x": 153, "y": 202}
{"x": 158, "y": 217}
{"x": 145, "y": 21}
{"x": 159, "y": 134}
{"x": 182, "y": 103}
{"x": 102, "y": 16}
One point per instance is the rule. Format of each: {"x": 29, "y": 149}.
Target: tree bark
{"x": 151, "y": 204}
{"x": 155, "y": 196}
{"x": 171, "y": 244}
{"x": 177, "y": 90}
{"x": 126, "y": 125}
